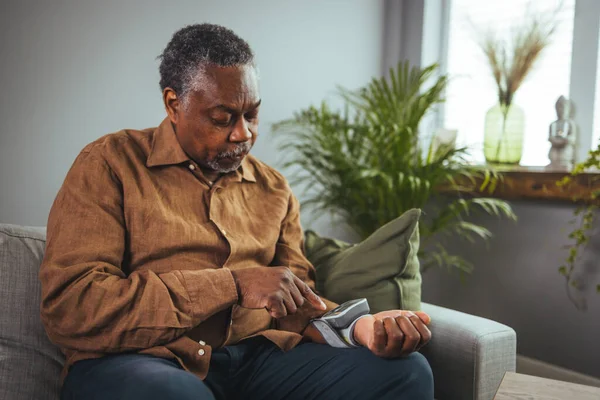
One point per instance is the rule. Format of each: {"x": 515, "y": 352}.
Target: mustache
{"x": 237, "y": 151}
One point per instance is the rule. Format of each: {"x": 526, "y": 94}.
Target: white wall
{"x": 73, "y": 70}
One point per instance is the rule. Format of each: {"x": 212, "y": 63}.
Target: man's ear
{"x": 172, "y": 104}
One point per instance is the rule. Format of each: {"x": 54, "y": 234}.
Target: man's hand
{"x": 393, "y": 334}
{"x": 275, "y": 288}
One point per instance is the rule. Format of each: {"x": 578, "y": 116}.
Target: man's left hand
{"x": 392, "y": 334}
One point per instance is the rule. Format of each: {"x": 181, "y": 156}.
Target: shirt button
{"x": 202, "y": 343}
{"x": 192, "y": 167}
{"x": 201, "y": 352}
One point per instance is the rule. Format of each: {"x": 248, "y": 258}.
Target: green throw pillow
{"x": 383, "y": 268}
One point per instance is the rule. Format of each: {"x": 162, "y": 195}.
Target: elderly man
{"x": 174, "y": 266}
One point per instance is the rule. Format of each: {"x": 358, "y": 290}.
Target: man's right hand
{"x": 275, "y": 288}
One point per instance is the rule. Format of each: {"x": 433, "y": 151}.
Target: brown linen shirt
{"x": 140, "y": 249}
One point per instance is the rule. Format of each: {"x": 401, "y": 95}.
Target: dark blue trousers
{"x": 255, "y": 369}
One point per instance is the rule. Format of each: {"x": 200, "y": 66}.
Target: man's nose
{"x": 241, "y": 131}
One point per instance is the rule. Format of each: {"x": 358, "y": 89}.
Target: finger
{"x": 422, "y": 329}
{"x": 296, "y": 295}
{"x": 276, "y": 307}
{"x": 395, "y": 313}
{"x": 289, "y": 303}
{"x": 379, "y": 338}
{"x": 423, "y": 317}
{"x": 411, "y": 335}
{"x": 309, "y": 295}
{"x": 395, "y": 337}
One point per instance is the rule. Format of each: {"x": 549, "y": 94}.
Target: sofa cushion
{"x": 30, "y": 364}
{"x": 384, "y": 268}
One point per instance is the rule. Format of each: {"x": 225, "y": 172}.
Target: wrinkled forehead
{"x": 227, "y": 85}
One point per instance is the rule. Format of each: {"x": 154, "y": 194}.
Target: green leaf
{"x": 441, "y": 258}
{"x": 562, "y": 270}
{"x": 574, "y": 284}
{"x": 486, "y": 181}
{"x": 464, "y": 228}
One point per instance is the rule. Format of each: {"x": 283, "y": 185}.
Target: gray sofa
{"x": 469, "y": 355}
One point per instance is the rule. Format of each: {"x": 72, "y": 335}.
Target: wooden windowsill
{"x": 538, "y": 183}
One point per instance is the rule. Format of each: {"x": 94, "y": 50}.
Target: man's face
{"x": 217, "y": 124}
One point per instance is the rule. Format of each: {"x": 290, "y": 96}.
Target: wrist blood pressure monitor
{"x": 337, "y": 325}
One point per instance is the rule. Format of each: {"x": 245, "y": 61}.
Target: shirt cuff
{"x": 210, "y": 291}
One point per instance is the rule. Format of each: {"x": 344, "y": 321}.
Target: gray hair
{"x": 195, "y": 47}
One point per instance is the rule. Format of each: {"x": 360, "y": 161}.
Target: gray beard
{"x": 215, "y": 163}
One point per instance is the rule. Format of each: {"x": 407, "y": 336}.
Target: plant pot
{"x": 504, "y": 132}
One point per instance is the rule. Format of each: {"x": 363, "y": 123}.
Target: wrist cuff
{"x": 348, "y": 333}
{"x": 337, "y": 325}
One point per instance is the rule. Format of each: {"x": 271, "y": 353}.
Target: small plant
{"x": 366, "y": 164}
{"x": 510, "y": 61}
{"x": 584, "y": 220}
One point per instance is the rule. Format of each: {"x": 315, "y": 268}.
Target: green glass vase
{"x": 504, "y": 131}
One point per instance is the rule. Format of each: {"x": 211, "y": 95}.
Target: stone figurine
{"x": 562, "y": 135}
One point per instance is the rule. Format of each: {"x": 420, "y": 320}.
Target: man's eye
{"x": 251, "y": 116}
{"x": 221, "y": 121}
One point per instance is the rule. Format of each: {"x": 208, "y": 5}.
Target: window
{"x": 472, "y": 91}
{"x": 596, "y": 137}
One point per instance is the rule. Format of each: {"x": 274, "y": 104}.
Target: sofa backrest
{"x": 30, "y": 364}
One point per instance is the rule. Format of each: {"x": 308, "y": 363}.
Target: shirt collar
{"x": 246, "y": 168}
{"x": 166, "y": 150}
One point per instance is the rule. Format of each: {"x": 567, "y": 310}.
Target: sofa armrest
{"x": 468, "y": 355}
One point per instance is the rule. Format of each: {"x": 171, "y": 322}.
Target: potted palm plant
{"x": 367, "y": 164}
